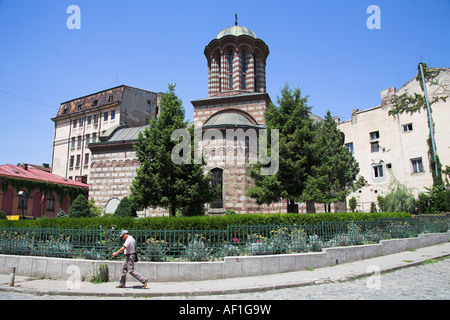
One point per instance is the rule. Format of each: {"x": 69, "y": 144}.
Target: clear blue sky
{"x": 323, "y": 46}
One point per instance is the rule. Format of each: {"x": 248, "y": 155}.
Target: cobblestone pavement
{"x": 424, "y": 282}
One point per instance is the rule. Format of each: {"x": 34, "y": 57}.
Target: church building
{"x": 237, "y": 100}
{"x": 232, "y": 116}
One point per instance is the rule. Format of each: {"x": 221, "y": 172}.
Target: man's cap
{"x": 124, "y": 232}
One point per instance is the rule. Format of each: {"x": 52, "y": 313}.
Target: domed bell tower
{"x": 236, "y": 62}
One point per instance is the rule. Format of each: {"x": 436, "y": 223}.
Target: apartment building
{"x": 90, "y": 119}
{"x": 386, "y": 145}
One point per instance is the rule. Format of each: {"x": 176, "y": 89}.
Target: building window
{"x": 374, "y": 147}
{"x": 88, "y": 139}
{"x": 51, "y": 202}
{"x": 71, "y": 162}
{"x": 77, "y": 165}
{"x": 86, "y": 159}
{"x": 349, "y": 146}
{"x": 113, "y": 114}
{"x": 72, "y": 144}
{"x": 94, "y": 137}
{"x": 230, "y": 64}
{"x": 417, "y": 165}
{"x": 95, "y": 118}
{"x": 80, "y": 123}
{"x": 89, "y": 120}
{"x": 111, "y": 98}
{"x": 244, "y": 68}
{"x": 74, "y": 122}
{"x": 65, "y": 111}
{"x": 79, "y": 142}
{"x": 374, "y": 135}
{"x": 94, "y": 104}
{"x": 105, "y": 116}
{"x": 80, "y": 107}
{"x": 378, "y": 171}
{"x": 388, "y": 165}
{"x": 407, "y": 127}
{"x": 149, "y": 106}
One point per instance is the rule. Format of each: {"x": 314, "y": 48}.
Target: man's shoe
{"x": 145, "y": 285}
{"x": 120, "y": 286}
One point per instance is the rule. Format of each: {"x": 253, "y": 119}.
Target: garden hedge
{"x": 196, "y": 223}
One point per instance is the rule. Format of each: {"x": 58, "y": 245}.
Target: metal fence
{"x": 212, "y": 245}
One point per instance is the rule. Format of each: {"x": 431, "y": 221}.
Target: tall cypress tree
{"x": 160, "y": 181}
{"x": 296, "y": 132}
{"x": 334, "y": 170}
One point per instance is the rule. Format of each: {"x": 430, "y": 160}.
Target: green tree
{"x": 296, "y": 133}
{"x": 334, "y": 169}
{"x": 125, "y": 209}
{"x": 80, "y": 208}
{"x": 353, "y": 203}
{"x": 160, "y": 181}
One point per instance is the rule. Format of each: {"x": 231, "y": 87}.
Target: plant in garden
{"x": 196, "y": 250}
{"x": 153, "y": 250}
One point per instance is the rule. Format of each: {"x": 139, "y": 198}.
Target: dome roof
{"x": 236, "y": 31}
{"x": 228, "y": 119}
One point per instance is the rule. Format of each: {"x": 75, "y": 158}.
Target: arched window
{"x": 217, "y": 182}
{"x": 23, "y": 203}
{"x": 219, "y": 72}
{"x": 230, "y": 64}
{"x": 256, "y": 64}
{"x": 243, "y": 68}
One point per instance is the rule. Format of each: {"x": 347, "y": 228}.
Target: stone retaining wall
{"x": 231, "y": 267}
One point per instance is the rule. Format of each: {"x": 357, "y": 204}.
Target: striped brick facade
{"x": 245, "y": 69}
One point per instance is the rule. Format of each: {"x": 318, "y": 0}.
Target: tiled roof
{"x": 9, "y": 170}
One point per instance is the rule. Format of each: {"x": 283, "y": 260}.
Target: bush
{"x": 3, "y": 215}
{"x": 80, "y": 208}
{"x": 124, "y": 209}
{"x": 435, "y": 200}
{"x": 353, "y": 204}
{"x": 198, "y": 223}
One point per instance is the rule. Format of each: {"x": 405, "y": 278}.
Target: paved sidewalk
{"x": 335, "y": 273}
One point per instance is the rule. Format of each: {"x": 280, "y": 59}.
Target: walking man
{"x": 129, "y": 249}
